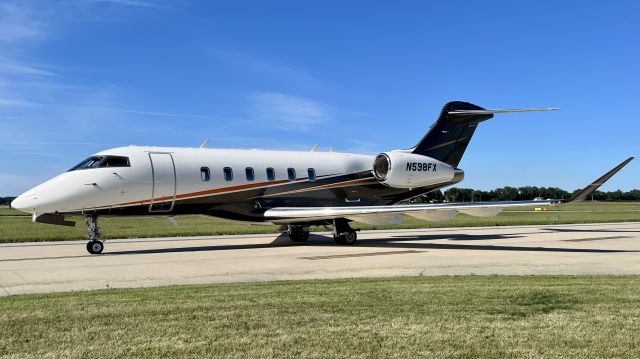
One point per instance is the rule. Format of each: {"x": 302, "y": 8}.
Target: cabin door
{"x": 163, "y": 191}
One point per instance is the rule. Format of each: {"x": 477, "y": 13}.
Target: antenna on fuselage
{"x": 205, "y": 143}
{"x": 315, "y": 147}
{"x": 332, "y": 149}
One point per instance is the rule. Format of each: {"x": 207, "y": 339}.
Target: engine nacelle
{"x": 409, "y": 170}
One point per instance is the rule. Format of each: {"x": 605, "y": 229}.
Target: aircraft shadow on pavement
{"x": 416, "y": 242}
{"x": 576, "y": 230}
{"x": 412, "y": 242}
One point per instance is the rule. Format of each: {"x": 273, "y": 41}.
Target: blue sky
{"x": 77, "y": 77}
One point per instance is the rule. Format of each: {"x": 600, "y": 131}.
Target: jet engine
{"x": 410, "y": 170}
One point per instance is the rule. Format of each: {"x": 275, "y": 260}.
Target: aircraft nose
{"x": 18, "y": 203}
{"x": 24, "y": 202}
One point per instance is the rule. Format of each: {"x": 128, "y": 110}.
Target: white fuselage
{"x": 85, "y": 189}
{"x": 234, "y": 184}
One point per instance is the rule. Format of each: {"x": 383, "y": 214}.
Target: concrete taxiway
{"x": 532, "y": 250}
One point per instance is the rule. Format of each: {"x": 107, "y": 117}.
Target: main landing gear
{"x": 343, "y": 233}
{"x": 298, "y": 233}
{"x": 95, "y": 245}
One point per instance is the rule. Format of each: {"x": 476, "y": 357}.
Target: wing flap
{"x": 434, "y": 215}
{"x": 482, "y": 211}
{"x": 383, "y": 219}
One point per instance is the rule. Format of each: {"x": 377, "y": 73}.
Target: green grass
{"x": 455, "y": 317}
{"x": 6, "y": 211}
{"x": 21, "y": 229}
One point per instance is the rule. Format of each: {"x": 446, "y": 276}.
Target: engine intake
{"x": 409, "y": 170}
{"x": 381, "y": 166}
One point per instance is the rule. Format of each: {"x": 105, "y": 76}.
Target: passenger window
{"x": 271, "y": 174}
{"x": 291, "y": 173}
{"x": 312, "y": 174}
{"x": 228, "y": 174}
{"x": 205, "y": 175}
{"x": 249, "y": 173}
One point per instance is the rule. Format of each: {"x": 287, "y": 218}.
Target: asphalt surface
{"x": 530, "y": 250}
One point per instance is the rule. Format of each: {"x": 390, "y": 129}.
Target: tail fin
{"x": 448, "y": 138}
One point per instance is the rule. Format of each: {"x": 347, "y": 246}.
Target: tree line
{"x": 456, "y": 194}
{"x": 6, "y": 200}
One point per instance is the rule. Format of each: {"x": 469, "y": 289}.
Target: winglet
{"x": 587, "y": 191}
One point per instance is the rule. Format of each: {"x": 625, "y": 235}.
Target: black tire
{"x": 95, "y": 247}
{"x": 348, "y": 238}
{"x": 298, "y": 235}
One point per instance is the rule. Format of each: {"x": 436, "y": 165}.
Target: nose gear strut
{"x": 95, "y": 244}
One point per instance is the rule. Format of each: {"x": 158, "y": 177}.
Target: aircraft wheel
{"x": 298, "y": 234}
{"x": 348, "y": 238}
{"x": 95, "y": 247}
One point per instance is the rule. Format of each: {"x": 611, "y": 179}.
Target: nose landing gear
{"x": 95, "y": 245}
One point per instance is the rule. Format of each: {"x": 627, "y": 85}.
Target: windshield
{"x": 101, "y": 161}
{"x": 90, "y": 162}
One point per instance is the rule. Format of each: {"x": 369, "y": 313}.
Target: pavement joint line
{"x": 351, "y": 255}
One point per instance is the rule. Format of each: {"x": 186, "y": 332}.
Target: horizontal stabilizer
{"x": 587, "y": 191}
{"x": 491, "y": 112}
{"x": 449, "y": 136}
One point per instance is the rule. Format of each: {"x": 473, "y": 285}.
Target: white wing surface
{"x": 423, "y": 211}
{"x": 432, "y": 212}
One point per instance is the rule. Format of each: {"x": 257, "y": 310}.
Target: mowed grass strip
{"x": 6, "y": 211}
{"x": 21, "y": 229}
{"x": 455, "y": 317}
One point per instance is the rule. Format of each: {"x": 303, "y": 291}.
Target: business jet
{"x": 289, "y": 188}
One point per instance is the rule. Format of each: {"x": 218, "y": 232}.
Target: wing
{"x": 381, "y": 214}
{"x": 431, "y": 212}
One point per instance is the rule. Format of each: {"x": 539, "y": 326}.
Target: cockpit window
{"x": 91, "y": 162}
{"x": 102, "y": 161}
{"x": 114, "y": 161}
